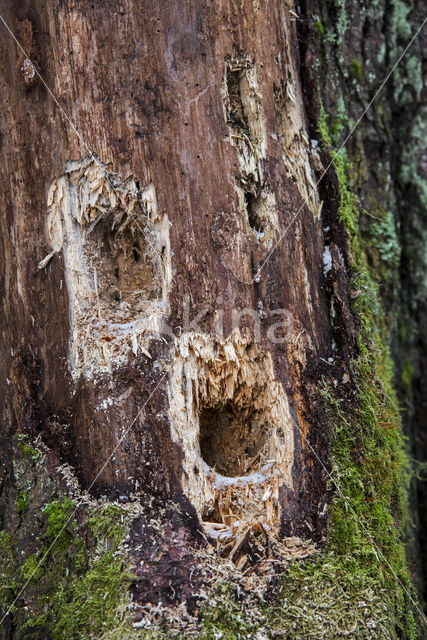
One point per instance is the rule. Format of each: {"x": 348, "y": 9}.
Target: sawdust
{"x": 257, "y": 581}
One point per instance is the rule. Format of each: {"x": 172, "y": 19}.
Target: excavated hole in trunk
{"x": 117, "y": 262}
{"x": 231, "y": 417}
{"x": 124, "y": 271}
{"x": 237, "y": 118}
{"x": 231, "y": 438}
{"x": 253, "y": 205}
{"x": 243, "y": 113}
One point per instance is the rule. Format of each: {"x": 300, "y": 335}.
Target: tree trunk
{"x": 195, "y": 372}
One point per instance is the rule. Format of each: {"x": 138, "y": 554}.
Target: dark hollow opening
{"x": 236, "y": 112}
{"x": 251, "y": 201}
{"x": 231, "y": 439}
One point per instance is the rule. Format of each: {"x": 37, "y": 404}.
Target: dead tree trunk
{"x": 175, "y": 301}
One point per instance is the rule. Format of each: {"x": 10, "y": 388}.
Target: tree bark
{"x": 177, "y": 295}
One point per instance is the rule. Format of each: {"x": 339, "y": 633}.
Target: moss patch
{"x": 28, "y": 452}
{"x": 75, "y": 586}
{"x": 22, "y": 501}
{"x": 332, "y": 597}
{"x": 8, "y": 586}
{"x": 225, "y": 615}
{"x": 88, "y": 605}
{"x": 320, "y": 29}
{"x": 356, "y": 70}
{"x": 370, "y": 470}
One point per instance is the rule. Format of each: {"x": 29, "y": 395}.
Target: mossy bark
{"x": 359, "y": 46}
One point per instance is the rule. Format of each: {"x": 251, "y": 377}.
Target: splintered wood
{"x": 257, "y": 581}
{"x": 220, "y": 388}
{"x": 242, "y": 103}
{"x": 117, "y": 262}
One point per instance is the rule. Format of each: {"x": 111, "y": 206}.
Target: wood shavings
{"x": 117, "y": 263}
{"x": 232, "y": 475}
{"x": 43, "y": 263}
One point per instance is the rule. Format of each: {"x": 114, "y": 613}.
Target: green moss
{"x": 320, "y": 29}
{"x": 77, "y": 591}
{"x": 88, "y": 605}
{"x": 370, "y": 469}
{"x": 60, "y": 552}
{"x": 225, "y": 618}
{"x": 22, "y": 501}
{"x": 31, "y": 569}
{"x": 332, "y": 597}
{"x": 8, "y": 584}
{"x": 356, "y": 70}
{"x": 28, "y": 452}
{"x": 59, "y": 514}
{"x": 108, "y": 524}
{"x": 5, "y": 542}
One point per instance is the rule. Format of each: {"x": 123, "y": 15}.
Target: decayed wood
{"x": 201, "y": 103}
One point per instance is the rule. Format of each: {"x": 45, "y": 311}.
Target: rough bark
{"x": 388, "y": 174}
{"x": 168, "y": 308}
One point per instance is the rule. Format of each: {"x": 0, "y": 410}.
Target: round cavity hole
{"x": 232, "y": 439}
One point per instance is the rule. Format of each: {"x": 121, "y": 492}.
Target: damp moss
{"x": 31, "y": 569}
{"x": 225, "y": 615}
{"x": 95, "y": 580}
{"x": 7, "y": 563}
{"x": 88, "y": 605}
{"x": 370, "y": 469}
{"x": 108, "y": 524}
{"x": 332, "y": 597}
